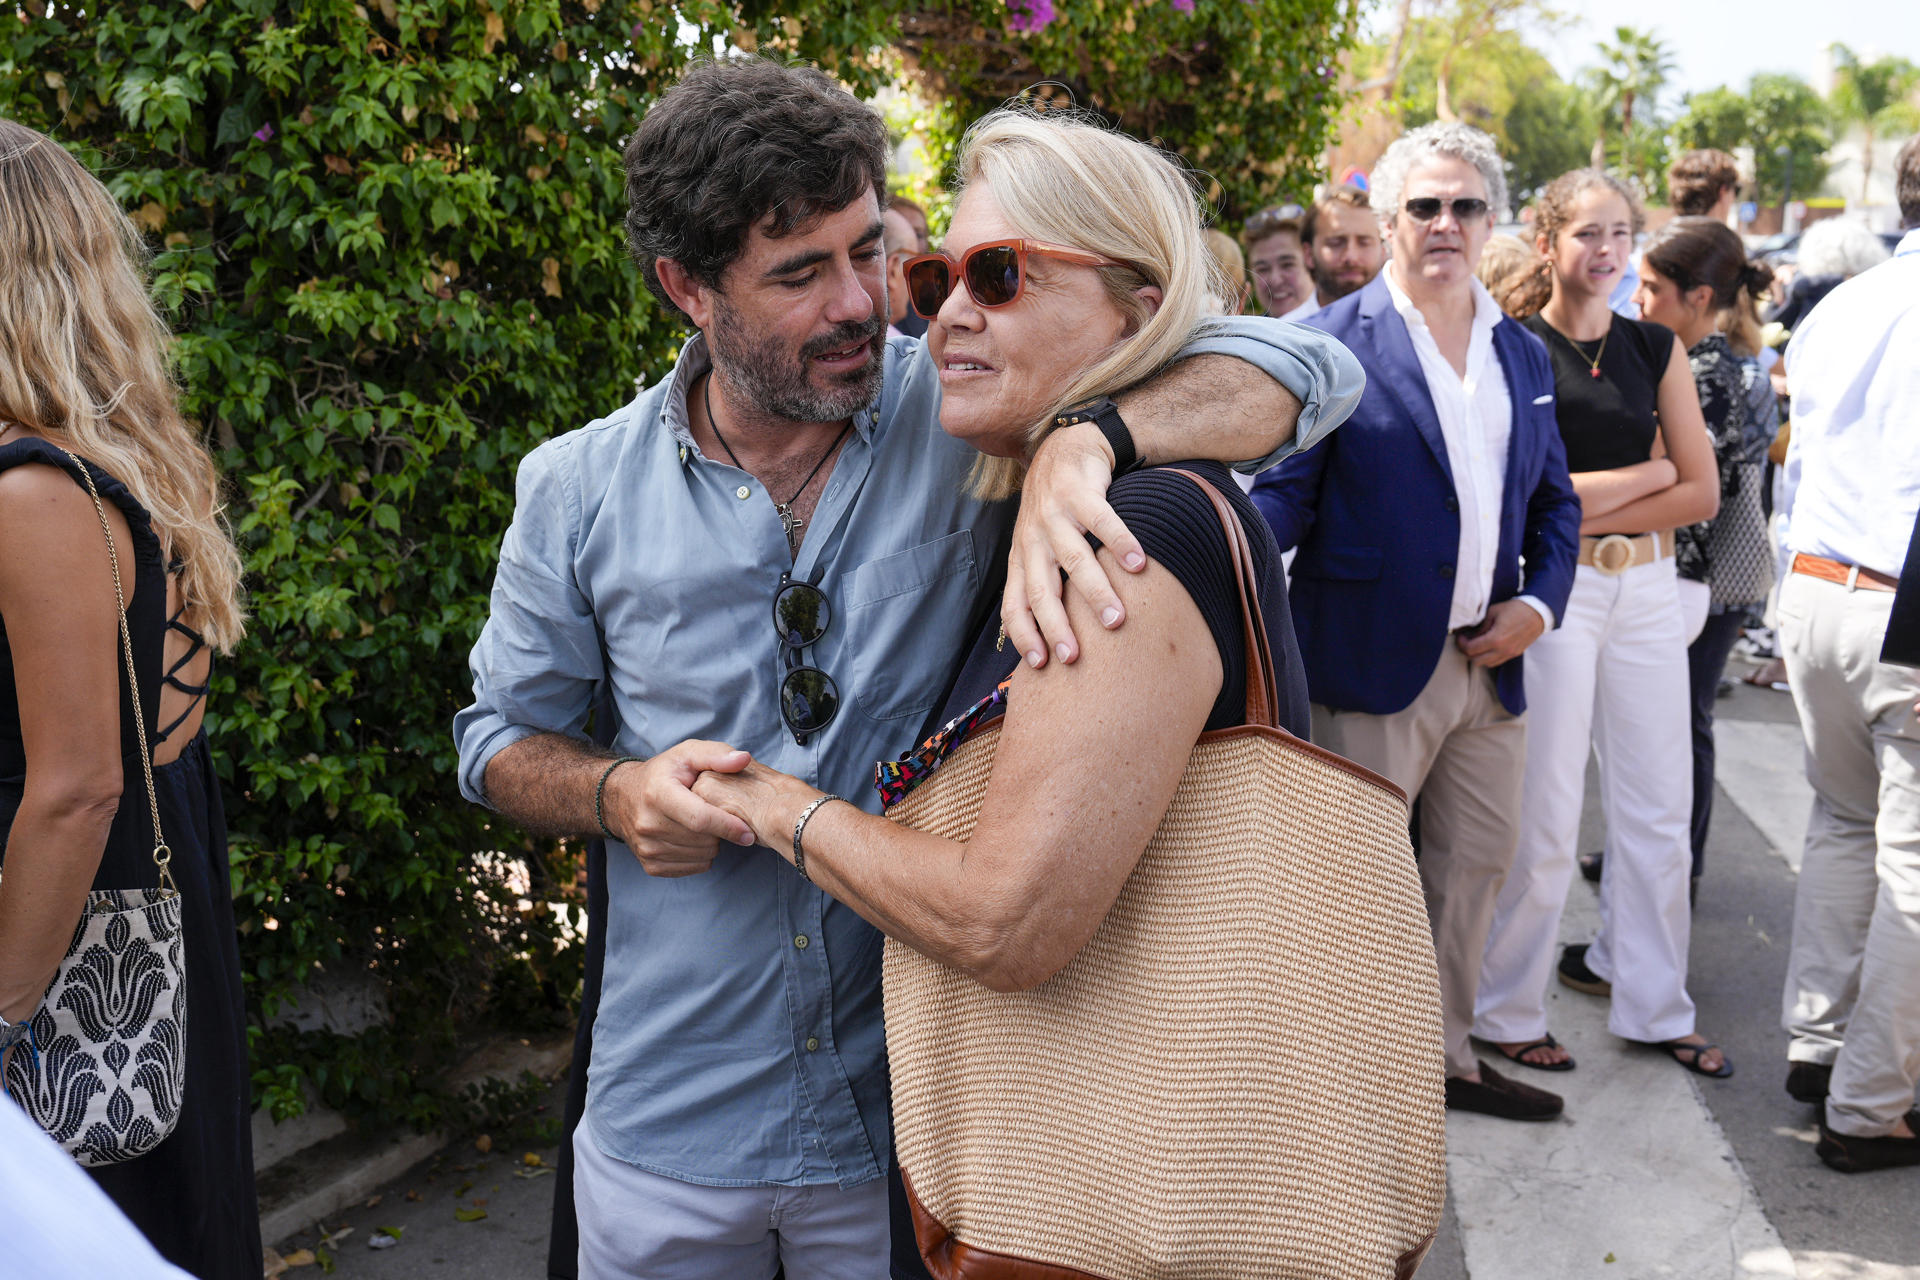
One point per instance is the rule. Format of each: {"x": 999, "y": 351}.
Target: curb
{"x": 316, "y": 1182}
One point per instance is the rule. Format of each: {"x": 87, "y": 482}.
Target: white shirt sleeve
{"x": 55, "y": 1222}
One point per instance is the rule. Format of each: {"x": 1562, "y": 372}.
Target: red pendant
{"x": 1595, "y": 371}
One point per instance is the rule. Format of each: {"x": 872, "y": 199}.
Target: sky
{"x": 1723, "y": 42}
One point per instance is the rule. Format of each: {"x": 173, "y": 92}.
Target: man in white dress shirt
{"x": 1852, "y": 1000}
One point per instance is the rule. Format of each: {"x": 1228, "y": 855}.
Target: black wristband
{"x": 600, "y": 795}
{"x": 1105, "y": 414}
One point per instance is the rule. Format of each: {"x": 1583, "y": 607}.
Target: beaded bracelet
{"x": 600, "y": 795}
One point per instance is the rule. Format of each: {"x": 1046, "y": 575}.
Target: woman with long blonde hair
{"x": 88, "y": 405}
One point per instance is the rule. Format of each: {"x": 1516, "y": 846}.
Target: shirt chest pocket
{"x": 906, "y": 615}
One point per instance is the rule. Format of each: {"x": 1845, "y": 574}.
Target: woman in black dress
{"x": 1612, "y": 676}
{"x": 83, "y": 369}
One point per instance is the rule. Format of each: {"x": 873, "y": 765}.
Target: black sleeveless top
{"x": 127, "y": 862}
{"x": 1178, "y": 528}
{"x": 1609, "y": 421}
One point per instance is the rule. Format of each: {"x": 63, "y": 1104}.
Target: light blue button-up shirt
{"x": 739, "y": 1038}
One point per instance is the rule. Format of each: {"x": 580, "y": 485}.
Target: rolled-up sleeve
{"x": 1322, "y": 374}
{"x": 538, "y": 661}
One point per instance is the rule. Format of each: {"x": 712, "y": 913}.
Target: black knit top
{"x": 1177, "y": 527}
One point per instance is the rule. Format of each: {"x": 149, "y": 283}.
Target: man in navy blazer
{"x": 1436, "y": 535}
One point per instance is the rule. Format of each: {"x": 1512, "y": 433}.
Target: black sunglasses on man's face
{"x": 1427, "y": 208}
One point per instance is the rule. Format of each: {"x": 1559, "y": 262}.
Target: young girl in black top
{"x": 1694, "y": 273}
{"x": 1614, "y": 672}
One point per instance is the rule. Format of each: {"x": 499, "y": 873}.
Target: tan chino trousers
{"x": 1461, "y": 752}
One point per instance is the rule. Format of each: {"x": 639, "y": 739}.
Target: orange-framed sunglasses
{"x": 995, "y": 272}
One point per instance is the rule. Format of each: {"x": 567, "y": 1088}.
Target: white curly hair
{"x": 1453, "y": 140}
{"x": 1840, "y": 247}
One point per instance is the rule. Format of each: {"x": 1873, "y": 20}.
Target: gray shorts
{"x": 636, "y": 1225}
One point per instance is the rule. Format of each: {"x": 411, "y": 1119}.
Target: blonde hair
{"x": 86, "y": 363}
{"x": 1510, "y": 268}
{"x": 1064, "y": 177}
{"x": 1233, "y": 270}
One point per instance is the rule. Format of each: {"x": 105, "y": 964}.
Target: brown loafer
{"x": 1495, "y": 1095}
{"x": 1848, "y": 1154}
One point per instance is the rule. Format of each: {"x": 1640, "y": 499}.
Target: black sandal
{"x": 1677, "y": 1047}
{"x": 1546, "y": 1042}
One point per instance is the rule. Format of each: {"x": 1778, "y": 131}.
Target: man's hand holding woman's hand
{"x": 655, "y": 809}
{"x": 1063, "y": 500}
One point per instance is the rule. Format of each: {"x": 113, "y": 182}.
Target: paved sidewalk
{"x": 508, "y": 1243}
{"x": 1652, "y": 1173}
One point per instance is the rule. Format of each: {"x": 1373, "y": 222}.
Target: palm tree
{"x": 1877, "y": 96}
{"x": 1635, "y": 66}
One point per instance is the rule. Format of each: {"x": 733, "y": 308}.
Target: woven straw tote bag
{"x": 1241, "y": 1075}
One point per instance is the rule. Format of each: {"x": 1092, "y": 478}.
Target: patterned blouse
{"x": 1723, "y": 402}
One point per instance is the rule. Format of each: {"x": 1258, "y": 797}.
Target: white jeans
{"x": 1613, "y": 676}
{"x": 636, "y": 1225}
{"x": 1853, "y": 978}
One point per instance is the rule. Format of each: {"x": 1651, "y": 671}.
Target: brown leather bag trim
{"x": 949, "y": 1259}
{"x": 1263, "y": 685}
{"x": 1410, "y": 1260}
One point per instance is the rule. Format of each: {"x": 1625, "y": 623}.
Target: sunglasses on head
{"x": 1427, "y": 208}
{"x": 995, "y": 273}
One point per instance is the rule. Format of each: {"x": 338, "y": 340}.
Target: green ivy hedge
{"x": 388, "y": 235}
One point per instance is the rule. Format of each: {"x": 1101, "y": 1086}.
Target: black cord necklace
{"x": 790, "y": 524}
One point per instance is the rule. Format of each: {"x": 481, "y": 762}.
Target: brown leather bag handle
{"x": 1263, "y": 686}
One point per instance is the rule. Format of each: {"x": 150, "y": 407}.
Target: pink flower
{"x": 264, "y": 132}
{"x": 1184, "y": 6}
{"x": 1032, "y": 15}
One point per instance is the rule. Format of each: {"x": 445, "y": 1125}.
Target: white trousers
{"x": 636, "y": 1225}
{"x": 1853, "y": 979}
{"x": 1613, "y": 676}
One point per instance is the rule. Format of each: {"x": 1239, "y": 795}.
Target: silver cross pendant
{"x": 791, "y": 525}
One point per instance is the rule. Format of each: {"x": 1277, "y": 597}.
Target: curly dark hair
{"x": 1695, "y": 181}
{"x": 740, "y": 143}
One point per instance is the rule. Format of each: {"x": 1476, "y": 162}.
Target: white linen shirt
{"x": 1853, "y": 467}
{"x": 1476, "y": 420}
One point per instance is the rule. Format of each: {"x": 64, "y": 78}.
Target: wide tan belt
{"x": 1613, "y": 553}
{"x": 1847, "y": 575}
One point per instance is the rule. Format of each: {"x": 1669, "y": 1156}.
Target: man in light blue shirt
{"x": 736, "y": 1111}
{"x": 1852, "y": 1001}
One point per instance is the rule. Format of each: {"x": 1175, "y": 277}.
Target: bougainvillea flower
{"x": 1032, "y": 15}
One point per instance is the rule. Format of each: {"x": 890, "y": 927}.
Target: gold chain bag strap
{"x": 1240, "y": 1075}
{"x": 106, "y": 1065}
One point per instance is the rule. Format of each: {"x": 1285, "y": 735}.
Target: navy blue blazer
{"x": 1374, "y": 514}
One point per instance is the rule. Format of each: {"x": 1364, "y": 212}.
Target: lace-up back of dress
{"x": 188, "y": 664}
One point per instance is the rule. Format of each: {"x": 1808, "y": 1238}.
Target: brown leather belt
{"x": 1613, "y": 553}
{"x": 1849, "y": 576}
